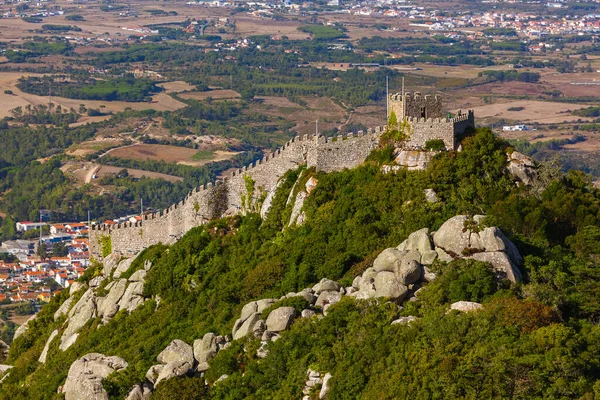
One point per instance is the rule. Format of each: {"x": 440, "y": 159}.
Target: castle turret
{"x": 416, "y": 106}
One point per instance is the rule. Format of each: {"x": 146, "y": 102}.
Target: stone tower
{"x": 416, "y": 106}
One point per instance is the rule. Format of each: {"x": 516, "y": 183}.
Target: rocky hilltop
{"x": 398, "y": 274}
{"x": 471, "y": 278}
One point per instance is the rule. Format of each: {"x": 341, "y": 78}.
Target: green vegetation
{"x": 113, "y": 7}
{"x": 435, "y": 145}
{"x": 322, "y": 32}
{"x": 500, "y": 32}
{"x": 509, "y": 46}
{"x": 511, "y": 75}
{"x": 515, "y": 108}
{"x": 32, "y": 20}
{"x": 590, "y": 112}
{"x": 106, "y": 245}
{"x": 74, "y": 17}
{"x": 22, "y": 144}
{"x": 161, "y": 12}
{"x": 38, "y": 48}
{"x": 61, "y": 28}
{"x": 264, "y": 73}
{"x": 203, "y": 155}
{"x": 397, "y": 131}
{"x": 125, "y": 89}
{"x": 536, "y": 339}
{"x": 43, "y": 114}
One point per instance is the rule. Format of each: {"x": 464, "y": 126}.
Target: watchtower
{"x": 416, "y": 106}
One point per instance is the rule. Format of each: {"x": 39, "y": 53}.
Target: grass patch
{"x": 322, "y": 32}
{"x": 452, "y": 82}
{"x": 203, "y": 155}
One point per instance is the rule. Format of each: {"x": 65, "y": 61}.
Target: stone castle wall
{"x": 416, "y": 106}
{"x": 225, "y": 197}
{"x": 446, "y": 129}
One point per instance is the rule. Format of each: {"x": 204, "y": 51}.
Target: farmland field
{"x": 8, "y": 80}
{"x": 218, "y": 94}
{"x": 105, "y": 170}
{"x": 532, "y": 111}
{"x": 169, "y": 154}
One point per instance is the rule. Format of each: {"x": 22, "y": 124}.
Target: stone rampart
{"x": 446, "y": 129}
{"x": 416, "y": 106}
{"x": 225, "y": 197}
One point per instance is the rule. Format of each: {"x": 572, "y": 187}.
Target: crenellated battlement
{"x": 416, "y": 106}
{"x": 224, "y": 197}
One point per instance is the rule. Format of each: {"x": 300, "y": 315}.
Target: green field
{"x": 203, "y": 155}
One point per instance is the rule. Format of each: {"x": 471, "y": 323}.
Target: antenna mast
{"x": 387, "y": 97}
{"x": 403, "y": 102}
{"x": 40, "y": 227}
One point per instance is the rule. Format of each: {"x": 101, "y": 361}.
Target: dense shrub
{"x": 535, "y": 339}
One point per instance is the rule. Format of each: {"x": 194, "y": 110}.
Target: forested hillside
{"x": 535, "y": 339}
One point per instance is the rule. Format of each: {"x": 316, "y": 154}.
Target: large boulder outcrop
{"x": 325, "y": 386}
{"x": 387, "y": 260}
{"x": 419, "y": 240}
{"x": 44, "y": 354}
{"x": 328, "y": 297}
{"x": 80, "y": 314}
{"x": 4, "y": 349}
{"x": 63, "y": 309}
{"x": 133, "y": 296}
{"x": 414, "y": 160}
{"x": 297, "y": 216}
{"x": 501, "y": 264}
{"x": 248, "y": 310}
{"x": 263, "y": 304}
{"x": 140, "y": 392}
{"x": 453, "y": 236}
{"x": 307, "y": 294}
{"x": 522, "y": 167}
{"x": 280, "y": 319}
{"x": 23, "y": 328}
{"x": 177, "y": 350}
{"x": 84, "y": 380}
{"x": 109, "y": 305}
{"x": 109, "y": 263}
{"x": 205, "y": 348}
{"x": 138, "y": 276}
{"x": 76, "y": 286}
{"x": 172, "y": 370}
{"x": 326, "y": 285}
{"x": 387, "y": 285}
{"x": 122, "y": 267}
{"x": 464, "y": 237}
{"x": 247, "y": 326}
{"x": 493, "y": 239}
{"x": 153, "y": 372}
{"x": 465, "y": 306}
{"x": 408, "y": 271}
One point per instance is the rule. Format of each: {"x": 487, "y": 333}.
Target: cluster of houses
{"x": 38, "y": 280}
{"x": 529, "y": 24}
{"x": 33, "y": 278}
{"x": 533, "y": 26}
